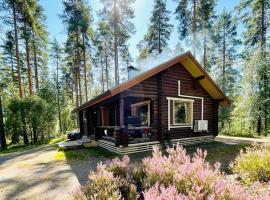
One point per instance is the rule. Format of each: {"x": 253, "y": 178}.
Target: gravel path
{"x": 36, "y": 174}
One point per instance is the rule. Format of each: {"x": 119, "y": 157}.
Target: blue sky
{"x": 143, "y": 10}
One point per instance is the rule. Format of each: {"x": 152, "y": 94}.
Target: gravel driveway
{"x": 36, "y": 174}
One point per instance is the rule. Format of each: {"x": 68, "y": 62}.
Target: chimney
{"x": 132, "y": 72}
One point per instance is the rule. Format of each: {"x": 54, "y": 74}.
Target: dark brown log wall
{"x": 168, "y": 85}
{"x": 157, "y": 88}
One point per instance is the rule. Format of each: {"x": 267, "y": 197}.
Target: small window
{"x": 142, "y": 111}
{"x": 181, "y": 112}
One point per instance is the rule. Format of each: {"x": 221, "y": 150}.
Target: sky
{"x": 143, "y": 9}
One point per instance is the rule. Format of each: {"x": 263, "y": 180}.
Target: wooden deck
{"x": 148, "y": 146}
{"x": 73, "y": 144}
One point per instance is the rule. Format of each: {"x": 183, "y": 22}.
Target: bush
{"x": 253, "y": 164}
{"x": 176, "y": 176}
{"x": 29, "y": 117}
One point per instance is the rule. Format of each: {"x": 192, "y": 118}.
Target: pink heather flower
{"x": 123, "y": 163}
{"x": 161, "y": 193}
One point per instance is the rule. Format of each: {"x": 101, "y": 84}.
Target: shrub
{"x": 253, "y": 164}
{"x": 102, "y": 186}
{"x": 174, "y": 176}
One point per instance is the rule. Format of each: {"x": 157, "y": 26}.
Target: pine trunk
{"x": 78, "y": 67}
{"x": 204, "y": 52}
{"x": 106, "y": 66}
{"x": 115, "y": 46}
{"x": 36, "y": 67}
{"x": 17, "y": 49}
{"x": 159, "y": 35}
{"x": 116, "y": 61}
{"x": 58, "y": 95}
{"x": 85, "y": 69}
{"x": 12, "y": 65}
{"x": 3, "y": 142}
{"x": 28, "y": 67}
{"x": 223, "y": 61}
{"x": 194, "y": 28}
{"x": 76, "y": 87}
{"x": 262, "y": 48}
{"x": 102, "y": 73}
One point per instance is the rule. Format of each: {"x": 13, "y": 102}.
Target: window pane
{"x": 180, "y": 112}
{"x": 142, "y": 113}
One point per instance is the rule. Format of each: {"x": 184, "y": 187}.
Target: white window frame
{"x": 143, "y": 103}
{"x": 184, "y": 125}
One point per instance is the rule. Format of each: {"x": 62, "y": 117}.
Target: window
{"x": 142, "y": 111}
{"x": 180, "y": 112}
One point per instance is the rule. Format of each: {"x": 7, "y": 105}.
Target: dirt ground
{"x": 41, "y": 173}
{"x": 36, "y": 174}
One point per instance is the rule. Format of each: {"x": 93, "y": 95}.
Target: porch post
{"x": 123, "y": 136}
{"x": 122, "y": 112}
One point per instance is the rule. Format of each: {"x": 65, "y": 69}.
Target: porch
{"x": 121, "y": 120}
{"x": 148, "y": 146}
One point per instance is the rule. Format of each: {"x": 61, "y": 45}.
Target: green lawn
{"x": 219, "y": 152}
{"x": 22, "y": 147}
{"x": 17, "y": 148}
{"x": 216, "y": 152}
{"x": 84, "y": 153}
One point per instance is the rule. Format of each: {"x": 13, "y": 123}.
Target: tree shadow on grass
{"x": 84, "y": 160}
{"x": 224, "y": 153}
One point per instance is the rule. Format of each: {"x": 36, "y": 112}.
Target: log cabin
{"x": 174, "y": 102}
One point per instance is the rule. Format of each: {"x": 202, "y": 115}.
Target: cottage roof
{"x": 187, "y": 60}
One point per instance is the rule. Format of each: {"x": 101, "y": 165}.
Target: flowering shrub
{"x": 120, "y": 167}
{"x": 253, "y": 164}
{"x": 174, "y": 176}
{"x": 102, "y": 186}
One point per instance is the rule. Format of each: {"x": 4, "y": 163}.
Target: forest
{"x": 42, "y": 80}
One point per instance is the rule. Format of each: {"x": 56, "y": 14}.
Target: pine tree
{"x": 9, "y": 58}
{"x": 143, "y": 47}
{"x": 226, "y": 44}
{"x": 39, "y": 43}
{"x": 254, "y": 14}
{"x": 71, "y": 17}
{"x": 118, "y": 14}
{"x": 207, "y": 17}
{"x": 56, "y": 56}
{"x": 13, "y": 6}
{"x": 126, "y": 59}
{"x": 77, "y": 18}
{"x": 3, "y": 143}
{"x": 86, "y": 30}
{"x": 159, "y": 30}
{"x": 103, "y": 53}
{"x": 194, "y": 16}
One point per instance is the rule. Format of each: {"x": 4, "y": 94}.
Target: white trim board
{"x": 184, "y": 98}
{"x": 169, "y": 112}
{"x": 193, "y": 97}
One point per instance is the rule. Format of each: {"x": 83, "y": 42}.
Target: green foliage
{"x": 224, "y": 58}
{"x": 32, "y": 114}
{"x": 159, "y": 31}
{"x": 253, "y": 164}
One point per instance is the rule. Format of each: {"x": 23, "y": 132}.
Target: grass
{"x": 219, "y": 152}
{"x": 216, "y": 152}
{"x": 56, "y": 140}
{"x": 17, "y": 148}
{"x": 23, "y": 147}
{"x": 82, "y": 154}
